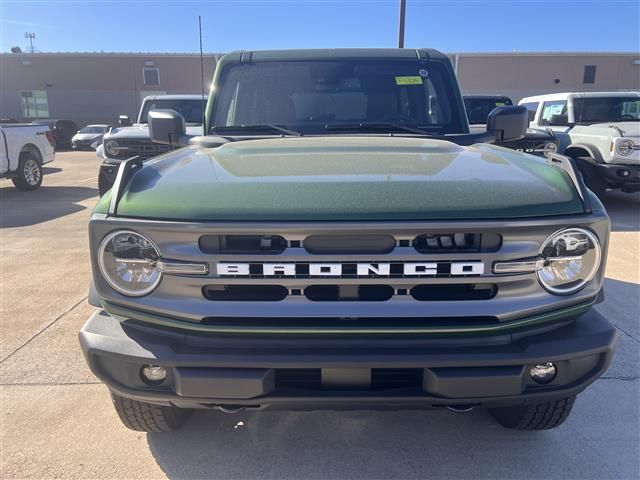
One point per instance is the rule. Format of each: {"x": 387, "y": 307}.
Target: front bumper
{"x": 624, "y": 177}
{"x": 336, "y": 373}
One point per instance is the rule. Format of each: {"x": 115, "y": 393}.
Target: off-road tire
{"x": 146, "y": 417}
{"x": 594, "y": 182}
{"x": 29, "y": 174}
{"x": 535, "y": 416}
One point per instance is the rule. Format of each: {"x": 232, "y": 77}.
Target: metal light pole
{"x": 401, "y": 25}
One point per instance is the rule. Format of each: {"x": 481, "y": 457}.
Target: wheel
{"x": 146, "y": 417}
{"x": 594, "y": 182}
{"x": 534, "y": 416}
{"x": 29, "y": 174}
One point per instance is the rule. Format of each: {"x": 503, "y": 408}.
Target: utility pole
{"x": 401, "y": 24}
{"x": 30, "y": 37}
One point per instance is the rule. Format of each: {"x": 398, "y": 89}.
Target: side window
{"x": 34, "y": 104}
{"x": 589, "y": 74}
{"x": 532, "y": 108}
{"x": 549, "y": 109}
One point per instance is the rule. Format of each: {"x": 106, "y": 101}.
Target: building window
{"x": 589, "y": 74}
{"x": 151, "y": 76}
{"x": 34, "y": 104}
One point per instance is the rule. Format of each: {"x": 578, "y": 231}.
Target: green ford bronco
{"x": 337, "y": 239}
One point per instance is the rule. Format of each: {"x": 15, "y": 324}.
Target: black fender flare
{"x": 576, "y": 150}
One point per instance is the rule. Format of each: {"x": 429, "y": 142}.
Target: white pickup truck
{"x": 24, "y": 149}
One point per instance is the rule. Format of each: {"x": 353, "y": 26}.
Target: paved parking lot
{"x": 57, "y": 421}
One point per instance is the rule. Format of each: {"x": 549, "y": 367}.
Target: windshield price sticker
{"x": 415, "y": 80}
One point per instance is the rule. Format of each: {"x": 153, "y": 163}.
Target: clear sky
{"x": 451, "y": 26}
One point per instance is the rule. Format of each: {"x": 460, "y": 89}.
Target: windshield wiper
{"x": 258, "y": 128}
{"x": 382, "y": 126}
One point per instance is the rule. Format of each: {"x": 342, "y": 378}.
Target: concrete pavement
{"x": 56, "y": 420}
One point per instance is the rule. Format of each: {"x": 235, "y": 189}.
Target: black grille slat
{"x": 349, "y": 244}
{"x": 245, "y": 293}
{"x": 458, "y": 292}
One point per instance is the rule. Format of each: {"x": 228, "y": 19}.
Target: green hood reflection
{"x": 346, "y": 178}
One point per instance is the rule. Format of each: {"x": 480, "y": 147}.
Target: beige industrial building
{"x": 97, "y": 87}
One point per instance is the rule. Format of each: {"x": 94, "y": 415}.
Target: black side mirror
{"x": 509, "y": 122}
{"x": 167, "y": 126}
{"x": 559, "y": 120}
{"x": 124, "y": 121}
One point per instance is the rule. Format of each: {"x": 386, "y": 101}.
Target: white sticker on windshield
{"x": 423, "y": 72}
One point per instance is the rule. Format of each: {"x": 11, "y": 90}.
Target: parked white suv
{"x": 599, "y": 130}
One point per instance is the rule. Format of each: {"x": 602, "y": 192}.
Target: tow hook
{"x": 231, "y": 408}
{"x": 460, "y": 408}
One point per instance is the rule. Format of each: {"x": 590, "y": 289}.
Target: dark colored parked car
{"x": 536, "y": 141}
{"x": 88, "y": 137}
{"x": 63, "y": 131}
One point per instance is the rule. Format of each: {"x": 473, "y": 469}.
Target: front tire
{"x": 29, "y": 174}
{"x": 534, "y": 416}
{"x": 147, "y": 417}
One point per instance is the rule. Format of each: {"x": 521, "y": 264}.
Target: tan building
{"x": 94, "y": 87}
{"x": 519, "y": 75}
{"x": 97, "y": 87}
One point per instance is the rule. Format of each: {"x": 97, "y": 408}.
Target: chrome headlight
{"x": 112, "y": 148}
{"x": 127, "y": 262}
{"x": 624, "y": 147}
{"x": 571, "y": 259}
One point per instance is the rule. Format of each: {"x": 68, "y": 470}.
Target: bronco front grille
{"x": 303, "y": 277}
{"x": 142, "y": 148}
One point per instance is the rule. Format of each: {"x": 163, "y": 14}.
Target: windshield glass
{"x": 93, "y": 130}
{"x": 478, "y": 109}
{"x": 606, "y": 109}
{"x": 314, "y": 96}
{"x": 191, "y": 110}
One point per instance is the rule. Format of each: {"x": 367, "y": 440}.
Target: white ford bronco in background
{"x": 24, "y": 149}
{"x": 599, "y": 130}
{"x": 127, "y": 141}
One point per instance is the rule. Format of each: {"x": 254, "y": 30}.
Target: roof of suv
{"x": 566, "y": 95}
{"x": 332, "y": 53}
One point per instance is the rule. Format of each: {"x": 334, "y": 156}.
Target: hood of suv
{"x": 629, "y": 129}
{"x": 141, "y": 130}
{"x": 346, "y": 178}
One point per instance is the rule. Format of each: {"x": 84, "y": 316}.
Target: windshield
{"x": 478, "y": 109}
{"x": 191, "y": 110}
{"x": 606, "y": 109}
{"x": 318, "y": 96}
{"x": 93, "y": 130}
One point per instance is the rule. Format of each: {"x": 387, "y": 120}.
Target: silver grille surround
{"x": 180, "y": 296}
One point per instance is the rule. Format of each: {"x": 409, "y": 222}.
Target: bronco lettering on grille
{"x": 339, "y": 269}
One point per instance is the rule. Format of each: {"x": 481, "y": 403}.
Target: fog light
{"x": 624, "y": 173}
{"x": 153, "y": 374}
{"x": 543, "y": 372}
